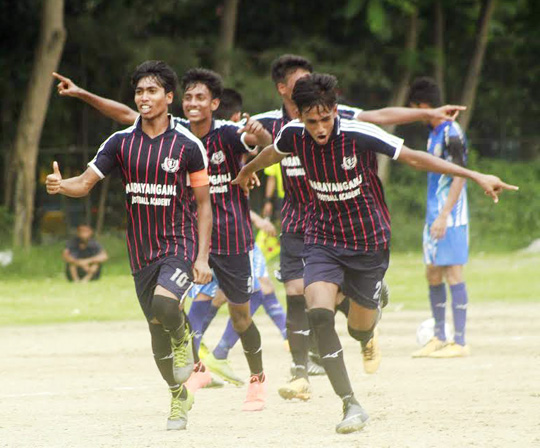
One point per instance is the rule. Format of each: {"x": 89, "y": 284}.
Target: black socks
{"x": 298, "y": 332}
{"x": 330, "y": 350}
{"x": 251, "y": 342}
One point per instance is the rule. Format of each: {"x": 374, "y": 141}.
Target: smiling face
{"x": 151, "y": 100}
{"x": 198, "y": 104}
{"x": 319, "y": 122}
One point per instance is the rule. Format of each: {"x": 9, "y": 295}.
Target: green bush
{"x": 511, "y": 224}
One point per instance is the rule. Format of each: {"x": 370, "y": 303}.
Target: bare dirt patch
{"x": 95, "y": 385}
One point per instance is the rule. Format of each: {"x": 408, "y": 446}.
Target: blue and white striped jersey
{"x": 447, "y": 141}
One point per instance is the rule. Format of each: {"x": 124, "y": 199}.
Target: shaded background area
{"x": 372, "y": 46}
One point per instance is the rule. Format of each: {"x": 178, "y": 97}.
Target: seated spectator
{"x": 84, "y": 256}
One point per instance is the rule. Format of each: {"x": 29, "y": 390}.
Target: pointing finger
{"x": 510, "y": 187}
{"x": 59, "y": 76}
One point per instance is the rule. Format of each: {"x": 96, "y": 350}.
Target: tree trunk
{"x": 9, "y": 177}
{"x": 226, "y": 37}
{"x": 439, "y": 66}
{"x": 475, "y": 67}
{"x": 46, "y": 59}
{"x": 102, "y": 204}
{"x": 400, "y": 95}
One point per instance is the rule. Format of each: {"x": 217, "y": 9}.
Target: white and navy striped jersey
{"x": 347, "y": 208}
{"x": 295, "y": 208}
{"x": 159, "y": 203}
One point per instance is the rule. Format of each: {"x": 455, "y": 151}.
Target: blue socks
{"x": 459, "y": 310}
{"x": 437, "y": 299}
{"x": 196, "y": 316}
{"x": 210, "y": 314}
{"x": 276, "y": 312}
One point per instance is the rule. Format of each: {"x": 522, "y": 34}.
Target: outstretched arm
{"x": 403, "y": 115}
{"x": 267, "y": 157}
{"x": 420, "y": 160}
{"x": 74, "y": 187}
{"x": 113, "y": 109}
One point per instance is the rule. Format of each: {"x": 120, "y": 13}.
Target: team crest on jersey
{"x": 170, "y": 165}
{"x": 217, "y": 158}
{"x": 349, "y": 163}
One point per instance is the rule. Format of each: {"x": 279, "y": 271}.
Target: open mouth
{"x": 321, "y": 138}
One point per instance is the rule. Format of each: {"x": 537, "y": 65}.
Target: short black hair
{"x": 315, "y": 90}
{"x": 209, "y": 78}
{"x": 424, "y": 90}
{"x": 230, "y": 103}
{"x": 287, "y": 64}
{"x": 160, "y": 71}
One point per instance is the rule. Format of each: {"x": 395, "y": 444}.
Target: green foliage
{"x": 511, "y": 224}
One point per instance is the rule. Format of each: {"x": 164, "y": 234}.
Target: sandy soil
{"x": 95, "y": 385}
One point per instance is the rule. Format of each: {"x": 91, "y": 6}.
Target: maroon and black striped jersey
{"x": 295, "y": 207}
{"x": 231, "y": 232}
{"x": 161, "y": 211}
{"x": 348, "y": 209}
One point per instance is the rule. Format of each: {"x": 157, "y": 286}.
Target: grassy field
{"x": 33, "y": 289}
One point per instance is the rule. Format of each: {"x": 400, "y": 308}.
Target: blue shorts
{"x": 452, "y": 250}
{"x": 173, "y": 273}
{"x": 358, "y": 274}
{"x": 233, "y": 275}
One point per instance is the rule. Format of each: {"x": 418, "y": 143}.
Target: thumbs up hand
{"x": 54, "y": 180}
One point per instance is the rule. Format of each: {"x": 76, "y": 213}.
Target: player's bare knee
{"x": 294, "y": 287}
{"x": 454, "y": 274}
{"x": 240, "y": 318}
{"x": 219, "y": 299}
{"x": 266, "y": 285}
{"x": 434, "y": 274}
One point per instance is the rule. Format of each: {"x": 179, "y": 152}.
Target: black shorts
{"x": 234, "y": 276}
{"x": 173, "y": 273}
{"x": 358, "y": 274}
{"x": 291, "y": 261}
